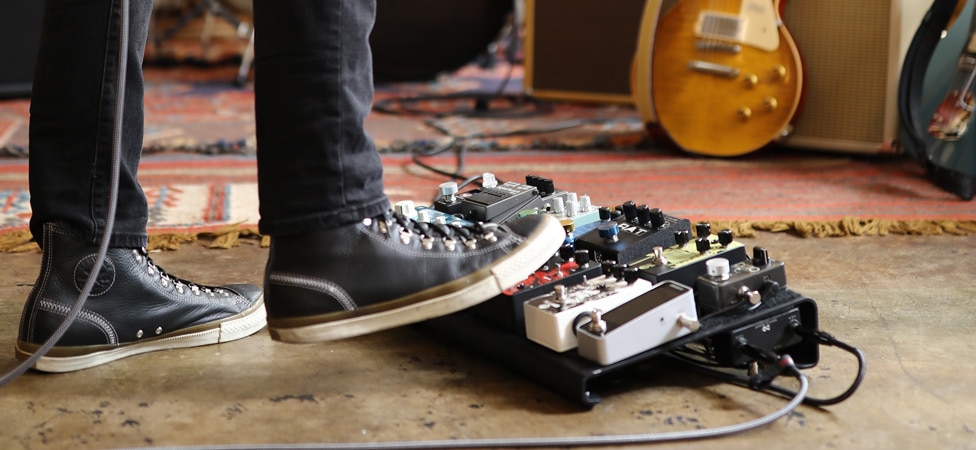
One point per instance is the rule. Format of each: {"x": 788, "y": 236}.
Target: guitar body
{"x": 726, "y": 77}
{"x": 929, "y": 71}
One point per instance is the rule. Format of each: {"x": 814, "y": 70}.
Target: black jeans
{"x": 317, "y": 166}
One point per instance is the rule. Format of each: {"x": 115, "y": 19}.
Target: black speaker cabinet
{"x": 20, "y": 29}
{"x": 581, "y": 50}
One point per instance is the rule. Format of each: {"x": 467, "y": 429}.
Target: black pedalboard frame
{"x": 573, "y": 376}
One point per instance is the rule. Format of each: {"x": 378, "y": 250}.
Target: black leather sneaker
{"x": 389, "y": 271}
{"x": 135, "y": 307}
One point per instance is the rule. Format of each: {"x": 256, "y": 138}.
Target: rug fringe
{"x": 849, "y": 226}
{"x": 18, "y": 241}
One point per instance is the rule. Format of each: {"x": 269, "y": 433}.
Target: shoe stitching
{"x": 86, "y": 316}
{"x": 315, "y": 284}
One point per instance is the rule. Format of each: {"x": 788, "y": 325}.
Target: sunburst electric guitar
{"x": 719, "y": 77}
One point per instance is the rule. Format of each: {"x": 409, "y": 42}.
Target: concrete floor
{"x": 906, "y": 301}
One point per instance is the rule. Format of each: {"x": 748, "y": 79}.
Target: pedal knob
{"x": 488, "y": 180}
{"x": 718, "y": 268}
{"x": 567, "y": 252}
{"x": 585, "y": 205}
{"x": 703, "y": 229}
{"x": 631, "y": 275}
{"x": 618, "y": 271}
{"x": 630, "y": 210}
{"x": 702, "y": 245}
{"x": 582, "y": 257}
{"x": 609, "y": 231}
{"x": 406, "y": 208}
{"x": 657, "y": 218}
{"x": 681, "y": 237}
{"x": 448, "y": 190}
{"x": 725, "y": 237}
{"x": 604, "y": 213}
{"x": 760, "y": 257}
{"x": 643, "y": 214}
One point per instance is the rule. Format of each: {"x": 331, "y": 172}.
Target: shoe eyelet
{"x": 179, "y": 288}
{"x": 406, "y": 237}
{"x": 159, "y": 330}
{"x": 471, "y": 244}
{"x": 490, "y": 237}
{"x": 450, "y": 244}
{"x": 139, "y": 334}
{"x": 427, "y": 243}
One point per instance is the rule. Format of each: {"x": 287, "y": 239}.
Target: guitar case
{"x": 928, "y": 71}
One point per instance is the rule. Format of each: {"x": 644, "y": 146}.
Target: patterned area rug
{"x": 200, "y": 177}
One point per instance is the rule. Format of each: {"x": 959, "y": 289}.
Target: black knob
{"x": 604, "y": 213}
{"x": 567, "y": 252}
{"x": 725, "y": 237}
{"x": 547, "y": 187}
{"x": 702, "y": 244}
{"x": 760, "y": 257}
{"x": 630, "y": 210}
{"x": 618, "y": 271}
{"x": 681, "y": 237}
{"x": 630, "y": 275}
{"x": 657, "y": 218}
{"x": 643, "y": 215}
{"x": 703, "y": 229}
{"x": 582, "y": 257}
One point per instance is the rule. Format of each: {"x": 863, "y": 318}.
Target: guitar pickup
{"x": 714, "y": 69}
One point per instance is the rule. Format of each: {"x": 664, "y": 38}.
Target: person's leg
{"x": 341, "y": 264}
{"x": 134, "y": 307}
{"x": 73, "y": 106}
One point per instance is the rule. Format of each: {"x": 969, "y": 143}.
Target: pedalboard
{"x": 629, "y": 284}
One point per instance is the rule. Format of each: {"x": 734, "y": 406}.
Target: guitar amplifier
{"x": 581, "y": 50}
{"x": 852, "y": 52}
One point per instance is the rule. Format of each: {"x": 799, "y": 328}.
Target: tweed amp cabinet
{"x": 852, "y": 53}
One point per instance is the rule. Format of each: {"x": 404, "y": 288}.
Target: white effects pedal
{"x": 550, "y": 318}
{"x": 656, "y": 317}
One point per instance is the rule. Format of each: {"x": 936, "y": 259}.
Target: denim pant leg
{"x": 317, "y": 166}
{"x": 73, "y": 115}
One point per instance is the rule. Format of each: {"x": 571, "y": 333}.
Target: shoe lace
{"x": 166, "y": 279}
{"x": 429, "y": 232}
